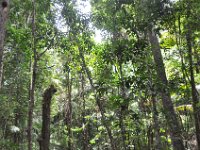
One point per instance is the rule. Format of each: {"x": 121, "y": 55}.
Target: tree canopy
{"x": 135, "y": 88}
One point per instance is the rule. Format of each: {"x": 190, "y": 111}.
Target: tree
{"x": 33, "y": 79}
{"x": 195, "y": 97}
{"x": 175, "y": 130}
{"x": 136, "y": 89}
{"x": 4, "y": 9}
{"x": 44, "y": 140}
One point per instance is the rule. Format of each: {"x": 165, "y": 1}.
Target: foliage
{"x": 113, "y": 83}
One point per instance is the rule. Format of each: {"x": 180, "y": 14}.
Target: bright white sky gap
{"x": 84, "y": 7}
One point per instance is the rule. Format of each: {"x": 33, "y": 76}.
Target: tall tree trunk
{"x": 98, "y": 101}
{"x": 122, "y": 128}
{"x": 195, "y": 98}
{"x": 16, "y": 136}
{"x": 149, "y": 137}
{"x": 44, "y": 140}
{"x": 158, "y": 144}
{"x": 196, "y": 54}
{"x": 68, "y": 112}
{"x": 174, "y": 126}
{"x": 124, "y": 106}
{"x": 3, "y": 18}
{"x": 85, "y": 134}
{"x": 33, "y": 81}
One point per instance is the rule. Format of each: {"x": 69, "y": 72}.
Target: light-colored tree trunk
{"x": 33, "y": 82}
{"x": 3, "y": 18}
{"x": 85, "y": 129}
{"x": 68, "y": 112}
{"x": 174, "y": 126}
{"x": 158, "y": 144}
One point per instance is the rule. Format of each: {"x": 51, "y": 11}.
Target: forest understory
{"x": 99, "y": 75}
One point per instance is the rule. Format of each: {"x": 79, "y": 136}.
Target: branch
{"x": 48, "y": 47}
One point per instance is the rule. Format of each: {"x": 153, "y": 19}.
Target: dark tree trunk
{"x": 195, "y": 98}
{"x": 124, "y": 106}
{"x": 122, "y": 128}
{"x": 33, "y": 82}
{"x": 197, "y": 60}
{"x": 3, "y": 18}
{"x": 44, "y": 140}
{"x": 149, "y": 138}
{"x": 174, "y": 127}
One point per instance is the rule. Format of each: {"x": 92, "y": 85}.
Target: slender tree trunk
{"x": 149, "y": 137}
{"x": 16, "y": 136}
{"x": 68, "y": 112}
{"x": 174, "y": 127}
{"x": 196, "y": 54}
{"x": 33, "y": 81}
{"x": 3, "y": 18}
{"x": 178, "y": 43}
{"x": 158, "y": 144}
{"x": 46, "y": 109}
{"x": 98, "y": 101}
{"x": 97, "y": 127}
{"x": 195, "y": 98}
{"x": 85, "y": 135}
{"x": 124, "y": 106}
{"x": 122, "y": 127}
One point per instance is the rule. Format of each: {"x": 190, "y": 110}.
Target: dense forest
{"x": 99, "y": 75}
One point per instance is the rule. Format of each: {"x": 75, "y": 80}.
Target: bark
{"x": 33, "y": 82}
{"x": 4, "y": 8}
{"x": 196, "y": 54}
{"x": 178, "y": 43}
{"x": 98, "y": 101}
{"x": 124, "y": 107}
{"x": 46, "y": 109}
{"x": 149, "y": 137}
{"x": 59, "y": 116}
{"x": 85, "y": 134}
{"x": 16, "y": 137}
{"x": 68, "y": 112}
{"x": 174, "y": 126}
{"x": 122, "y": 128}
{"x": 195, "y": 98}
{"x": 158, "y": 144}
